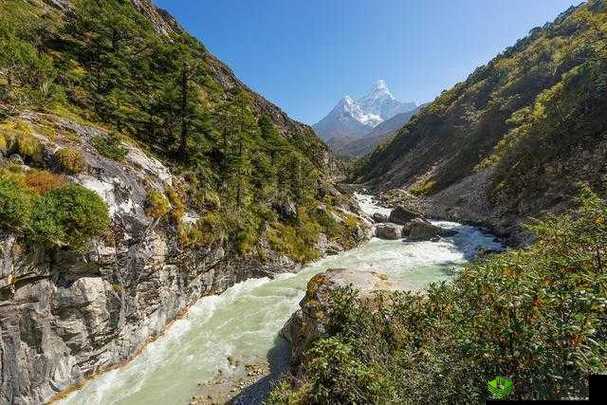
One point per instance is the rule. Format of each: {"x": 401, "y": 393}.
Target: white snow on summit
{"x": 358, "y": 113}
{"x": 356, "y": 117}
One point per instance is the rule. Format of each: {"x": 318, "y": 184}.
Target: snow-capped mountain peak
{"x": 355, "y": 117}
{"x": 349, "y": 108}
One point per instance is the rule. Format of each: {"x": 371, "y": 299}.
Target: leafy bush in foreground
{"x": 536, "y": 316}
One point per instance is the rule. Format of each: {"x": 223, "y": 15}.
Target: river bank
{"x": 243, "y": 323}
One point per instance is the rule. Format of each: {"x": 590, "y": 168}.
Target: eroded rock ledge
{"x": 309, "y": 322}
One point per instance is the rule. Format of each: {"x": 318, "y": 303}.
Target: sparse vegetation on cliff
{"x": 70, "y": 160}
{"x": 108, "y": 65}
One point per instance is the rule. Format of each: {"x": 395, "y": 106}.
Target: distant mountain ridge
{"x": 354, "y": 118}
{"x": 383, "y": 133}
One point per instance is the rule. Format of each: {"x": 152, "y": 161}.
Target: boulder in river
{"x": 388, "y": 231}
{"x": 402, "y": 215}
{"x": 421, "y": 230}
{"x": 380, "y": 218}
{"x": 308, "y": 323}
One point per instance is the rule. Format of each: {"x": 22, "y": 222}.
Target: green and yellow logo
{"x": 500, "y": 387}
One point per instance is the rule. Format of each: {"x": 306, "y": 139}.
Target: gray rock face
{"x": 388, "y": 231}
{"x": 63, "y": 322}
{"x": 402, "y": 215}
{"x": 308, "y": 323}
{"x": 65, "y": 316}
{"x": 421, "y": 230}
{"x": 380, "y": 218}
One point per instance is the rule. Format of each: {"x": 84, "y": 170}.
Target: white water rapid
{"x": 244, "y": 321}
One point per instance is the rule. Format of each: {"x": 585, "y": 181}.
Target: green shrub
{"x": 283, "y": 393}
{"x": 157, "y": 205}
{"x": 27, "y": 145}
{"x": 327, "y": 221}
{"x": 189, "y": 235}
{"x": 209, "y": 229}
{"x": 178, "y": 204}
{"x": 110, "y": 147}
{"x": 342, "y": 377}
{"x": 536, "y": 316}
{"x": 15, "y": 206}
{"x": 70, "y": 160}
{"x": 247, "y": 238}
{"x": 212, "y": 227}
{"x": 13, "y": 172}
{"x": 18, "y": 136}
{"x": 69, "y": 216}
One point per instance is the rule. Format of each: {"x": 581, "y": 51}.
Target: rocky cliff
{"x": 66, "y": 315}
{"x": 231, "y": 207}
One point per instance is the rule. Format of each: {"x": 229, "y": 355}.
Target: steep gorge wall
{"x": 65, "y": 316}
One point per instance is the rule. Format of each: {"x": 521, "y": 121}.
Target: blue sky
{"x": 304, "y": 55}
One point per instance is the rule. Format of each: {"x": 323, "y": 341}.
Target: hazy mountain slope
{"x": 533, "y": 119}
{"x": 394, "y": 123}
{"x": 353, "y": 118}
{"x": 380, "y": 134}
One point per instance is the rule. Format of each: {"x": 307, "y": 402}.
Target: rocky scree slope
{"x": 515, "y": 138}
{"x": 196, "y": 183}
